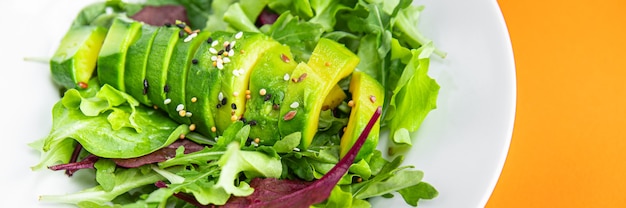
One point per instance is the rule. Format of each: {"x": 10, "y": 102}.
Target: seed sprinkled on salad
{"x": 83, "y": 85}
{"x": 294, "y": 105}
{"x": 290, "y": 115}
{"x": 192, "y": 127}
{"x": 284, "y": 58}
{"x": 239, "y": 35}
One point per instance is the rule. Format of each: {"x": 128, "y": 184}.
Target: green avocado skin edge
{"x": 158, "y": 64}
{"x": 137, "y": 56}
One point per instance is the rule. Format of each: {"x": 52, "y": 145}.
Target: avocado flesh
{"x": 158, "y": 63}
{"x": 268, "y": 75}
{"x": 135, "y": 72}
{"x": 180, "y": 62}
{"x": 235, "y": 75}
{"x": 307, "y": 94}
{"x": 329, "y": 63}
{"x": 367, "y": 95}
{"x": 75, "y": 59}
{"x": 112, "y": 58}
{"x": 203, "y": 86}
{"x": 334, "y": 98}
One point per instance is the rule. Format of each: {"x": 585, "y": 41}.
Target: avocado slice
{"x": 112, "y": 58}
{"x": 334, "y": 98}
{"x": 74, "y": 61}
{"x": 201, "y": 90}
{"x": 235, "y": 73}
{"x": 137, "y": 58}
{"x": 268, "y": 83}
{"x": 329, "y": 63}
{"x": 301, "y": 106}
{"x": 181, "y": 60}
{"x": 158, "y": 64}
{"x": 367, "y": 95}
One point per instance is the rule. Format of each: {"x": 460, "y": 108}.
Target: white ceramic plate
{"x": 461, "y": 145}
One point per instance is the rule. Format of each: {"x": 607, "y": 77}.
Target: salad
{"x": 180, "y": 103}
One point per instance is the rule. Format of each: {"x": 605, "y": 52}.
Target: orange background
{"x": 569, "y": 142}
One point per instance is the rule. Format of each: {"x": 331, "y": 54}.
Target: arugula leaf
{"x": 422, "y": 190}
{"x": 288, "y": 143}
{"x": 105, "y": 175}
{"x": 301, "y": 36}
{"x": 125, "y": 180}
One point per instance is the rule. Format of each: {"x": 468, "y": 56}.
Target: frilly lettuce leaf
{"x": 253, "y": 164}
{"x": 110, "y": 124}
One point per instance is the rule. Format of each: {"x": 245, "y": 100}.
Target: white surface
{"x": 461, "y": 145}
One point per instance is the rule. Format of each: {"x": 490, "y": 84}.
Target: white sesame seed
{"x": 212, "y": 50}
{"x": 238, "y": 35}
{"x": 296, "y": 149}
{"x": 231, "y": 53}
{"x": 286, "y": 77}
{"x": 226, "y": 60}
{"x": 167, "y": 101}
{"x": 214, "y": 43}
{"x": 294, "y": 105}
{"x": 180, "y": 107}
{"x": 188, "y": 114}
{"x": 190, "y": 37}
{"x": 225, "y": 43}
{"x": 220, "y": 96}
{"x": 236, "y": 73}
{"x": 213, "y": 58}
{"x": 108, "y": 10}
{"x": 232, "y": 45}
{"x": 235, "y": 94}
{"x": 220, "y": 65}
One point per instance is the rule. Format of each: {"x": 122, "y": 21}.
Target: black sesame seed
{"x": 210, "y": 40}
{"x": 181, "y": 25}
{"x": 167, "y": 24}
{"x": 145, "y": 86}
{"x": 252, "y": 123}
{"x": 243, "y": 120}
{"x": 181, "y": 33}
{"x": 233, "y": 106}
{"x": 166, "y": 88}
{"x": 194, "y": 61}
{"x": 218, "y": 105}
{"x": 224, "y": 101}
{"x": 267, "y": 97}
{"x": 220, "y": 52}
{"x": 227, "y": 48}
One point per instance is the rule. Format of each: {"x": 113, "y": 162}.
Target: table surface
{"x": 569, "y": 141}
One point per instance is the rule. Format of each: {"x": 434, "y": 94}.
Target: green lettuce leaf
{"x": 414, "y": 96}
{"x": 253, "y": 164}
{"x": 125, "y": 129}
